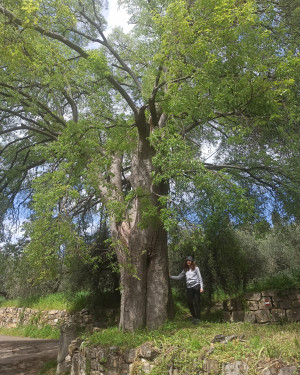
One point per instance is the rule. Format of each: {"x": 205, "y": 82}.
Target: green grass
{"x": 45, "y": 332}
{"x": 57, "y": 301}
{"x": 49, "y": 368}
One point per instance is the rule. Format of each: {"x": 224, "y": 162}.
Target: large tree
{"x": 124, "y": 121}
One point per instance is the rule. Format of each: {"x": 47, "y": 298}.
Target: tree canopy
{"x": 128, "y": 122}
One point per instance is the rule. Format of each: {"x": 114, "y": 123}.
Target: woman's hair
{"x": 186, "y": 267}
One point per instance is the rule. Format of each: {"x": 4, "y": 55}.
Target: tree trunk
{"x": 142, "y": 247}
{"x": 145, "y": 288}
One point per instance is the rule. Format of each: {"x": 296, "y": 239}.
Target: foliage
{"x": 47, "y": 267}
{"x": 286, "y": 279}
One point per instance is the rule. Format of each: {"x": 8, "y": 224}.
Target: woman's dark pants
{"x": 193, "y": 301}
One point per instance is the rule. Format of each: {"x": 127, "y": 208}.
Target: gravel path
{"x": 25, "y": 356}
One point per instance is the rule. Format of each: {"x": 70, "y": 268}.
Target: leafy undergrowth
{"x": 45, "y": 332}
{"x": 184, "y": 346}
{"x": 286, "y": 279}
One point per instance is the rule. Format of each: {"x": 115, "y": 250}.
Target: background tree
{"x": 124, "y": 121}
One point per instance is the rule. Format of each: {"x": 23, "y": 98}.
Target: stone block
{"x": 289, "y": 370}
{"x": 278, "y": 315}
{"x": 250, "y": 317}
{"x": 238, "y": 316}
{"x": 111, "y": 372}
{"x": 93, "y": 353}
{"x": 227, "y": 316}
{"x": 265, "y": 303}
{"x": 269, "y": 293}
{"x": 211, "y": 366}
{"x": 94, "y": 364}
{"x": 285, "y": 304}
{"x": 252, "y": 305}
{"x": 263, "y": 316}
{"x": 252, "y": 296}
{"x": 113, "y": 361}
{"x": 101, "y": 354}
{"x": 148, "y": 351}
{"x": 125, "y": 368}
{"x": 145, "y": 365}
{"x": 235, "y": 368}
{"x": 270, "y": 370}
{"x": 130, "y": 355}
{"x": 295, "y": 303}
{"x": 293, "y": 315}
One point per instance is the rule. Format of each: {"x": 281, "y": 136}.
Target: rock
{"x": 235, "y": 368}
{"x": 289, "y": 370}
{"x": 148, "y": 351}
{"x": 293, "y": 315}
{"x": 68, "y": 332}
{"x": 211, "y": 366}
{"x": 218, "y": 338}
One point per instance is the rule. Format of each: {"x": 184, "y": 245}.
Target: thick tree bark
{"x": 145, "y": 288}
{"x": 142, "y": 247}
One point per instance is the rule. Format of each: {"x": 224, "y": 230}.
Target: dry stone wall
{"x": 264, "y": 307}
{"x": 11, "y": 317}
{"x": 83, "y": 360}
{"x": 112, "y": 360}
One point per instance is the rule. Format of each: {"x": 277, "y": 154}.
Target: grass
{"x": 49, "y": 368}
{"x": 70, "y": 302}
{"x": 58, "y": 301}
{"x": 46, "y": 332}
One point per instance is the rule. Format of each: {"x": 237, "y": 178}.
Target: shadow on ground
{"x": 25, "y": 356}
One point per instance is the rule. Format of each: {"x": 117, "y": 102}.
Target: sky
{"x": 117, "y": 16}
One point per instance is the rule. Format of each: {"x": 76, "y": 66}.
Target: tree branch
{"x": 22, "y": 127}
{"x": 120, "y": 89}
{"x": 42, "y": 31}
{"x": 34, "y": 100}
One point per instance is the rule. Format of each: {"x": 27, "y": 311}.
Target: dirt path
{"x": 25, "y": 356}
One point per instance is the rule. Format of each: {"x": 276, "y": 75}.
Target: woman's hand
{"x": 201, "y": 290}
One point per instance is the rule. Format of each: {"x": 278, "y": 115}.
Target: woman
{"x": 194, "y": 286}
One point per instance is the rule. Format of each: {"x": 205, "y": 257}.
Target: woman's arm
{"x": 200, "y": 279}
{"x": 180, "y": 276}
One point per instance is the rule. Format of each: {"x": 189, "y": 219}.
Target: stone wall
{"x": 264, "y": 307}
{"x": 14, "y": 316}
{"x": 85, "y": 360}
{"x": 111, "y": 360}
